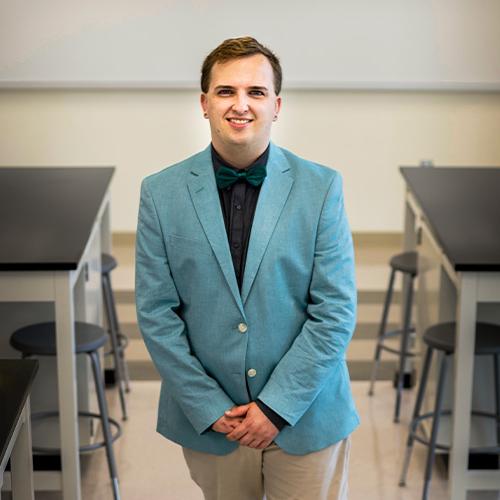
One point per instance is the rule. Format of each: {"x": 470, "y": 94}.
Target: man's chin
{"x": 241, "y": 142}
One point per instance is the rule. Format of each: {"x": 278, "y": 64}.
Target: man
{"x": 246, "y": 297}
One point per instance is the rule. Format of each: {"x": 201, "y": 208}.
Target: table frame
{"x": 472, "y": 288}
{"x": 58, "y": 287}
{"x": 21, "y": 458}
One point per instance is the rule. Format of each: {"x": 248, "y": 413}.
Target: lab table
{"x": 458, "y": 211}
{"x": 16, "y": 379}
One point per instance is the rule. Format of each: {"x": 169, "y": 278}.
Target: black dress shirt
{"x": 238, "y": 203}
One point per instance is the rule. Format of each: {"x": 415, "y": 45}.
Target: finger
{"x": 247, "y": 439}
{"x": 233, "y": 421}
{"x": 216, "y": 427}
{"x": 236, "y": 434}
{"x": 236, "y": 439}
{"x": 256, "y": 444}
{"x": 239, "y": 432}
{"x": 237, "y": 411}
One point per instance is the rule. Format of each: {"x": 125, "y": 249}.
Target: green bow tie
{"x": 226, "y": 176}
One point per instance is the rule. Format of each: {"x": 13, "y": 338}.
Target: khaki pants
{"x": 248, "y": 474}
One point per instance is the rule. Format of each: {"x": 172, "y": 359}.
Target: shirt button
{"x": 242, "y": 328}
{"x": 236, "y": 245}
{"x": 238, "y": 207}
{"x": 252, "y": 372}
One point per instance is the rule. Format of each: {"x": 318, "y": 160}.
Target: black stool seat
{"x": 405, "y": 262}
{"x": 442, "y": 337}
{"x": 108, "y": 263}
{"x": 40, "y": 339}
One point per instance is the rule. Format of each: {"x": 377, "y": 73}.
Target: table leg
{"x": 410, "y": 223}
{"x": 409, "y": 244}
{"x": 66, "y": 376}
{"x": 106, "y": 241}
{"x": 21, "y": 460}
{"x": 462, "y": 388}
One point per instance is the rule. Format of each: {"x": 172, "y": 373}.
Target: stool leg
{"x": 106, "y": 431}
{"x": 381, "y": 332}
{"x": 435, "y": 426}
{"x": 416, "y": 413}
{"x": 113, "y": 334}
{"x": 116, "y": 325}
{"x": 405, "y": 337}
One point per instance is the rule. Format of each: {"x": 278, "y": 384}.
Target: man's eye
{"x": 224, "y": 92}
{"x": 256, "y": 92}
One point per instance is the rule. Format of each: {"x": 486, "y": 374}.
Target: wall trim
{"x": 364, "y": 238}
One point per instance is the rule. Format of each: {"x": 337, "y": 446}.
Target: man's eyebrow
{"x": 253, "y": 87}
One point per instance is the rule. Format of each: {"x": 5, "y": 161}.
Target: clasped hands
{"x": 248, "y": 425}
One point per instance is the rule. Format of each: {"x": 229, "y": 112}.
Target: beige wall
{"x": 365, "y": 135}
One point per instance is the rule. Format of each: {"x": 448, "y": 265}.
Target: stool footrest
{"x": 493, "y": 450}
{"x": 83, "y": 449}
{"x": 392, "y": 350}
{"x": 395, "y": 333}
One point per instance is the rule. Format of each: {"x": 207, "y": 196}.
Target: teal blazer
{"x": 298, "y": 301}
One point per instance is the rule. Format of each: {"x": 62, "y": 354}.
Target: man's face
{"x": 241, "y": 104}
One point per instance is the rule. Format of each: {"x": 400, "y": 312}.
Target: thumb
{"x": 237, "y": 411}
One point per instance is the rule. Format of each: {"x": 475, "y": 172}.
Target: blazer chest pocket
{"x": 180, "y": 245}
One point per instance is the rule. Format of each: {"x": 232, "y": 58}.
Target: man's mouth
{"x": 239, "y": 121}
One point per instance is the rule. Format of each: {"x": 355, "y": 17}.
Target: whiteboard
{"x": 343, "y": 44}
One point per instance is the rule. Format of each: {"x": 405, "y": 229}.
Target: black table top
{"x": 16, "y": 378}
{"x": 46, "y": 215}
{"x": 462, "y": 207}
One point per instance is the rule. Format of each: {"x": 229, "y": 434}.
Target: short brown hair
{"x": 234, "y": 48}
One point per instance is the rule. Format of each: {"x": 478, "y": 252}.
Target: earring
{"x": 205, "y": 115}
{"x": 275, "y": 118}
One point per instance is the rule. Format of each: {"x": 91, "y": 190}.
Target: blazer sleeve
{"x": 320, "y": 347}
{"x": 200, "y": 396}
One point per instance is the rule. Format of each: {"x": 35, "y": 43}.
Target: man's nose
{"x": 240, "y": 104}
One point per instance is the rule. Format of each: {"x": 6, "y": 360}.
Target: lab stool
{"x": 441, "y": 338}
{"x": 405, "y": 263}
{"x": 40, "y": 340}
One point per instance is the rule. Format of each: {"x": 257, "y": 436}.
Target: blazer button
{"x": 252, "y": 372}
{"x": 242, "y": 328}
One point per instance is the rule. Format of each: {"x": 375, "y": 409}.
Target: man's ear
{"x": 277, "y": 106}
{"x": 203, "y": 102}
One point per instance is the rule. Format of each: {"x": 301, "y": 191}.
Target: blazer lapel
{"x": 205, "y": 198}
{"x": 273, "y": 195}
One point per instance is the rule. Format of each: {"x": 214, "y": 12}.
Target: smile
{"x": 239, "y": 121}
